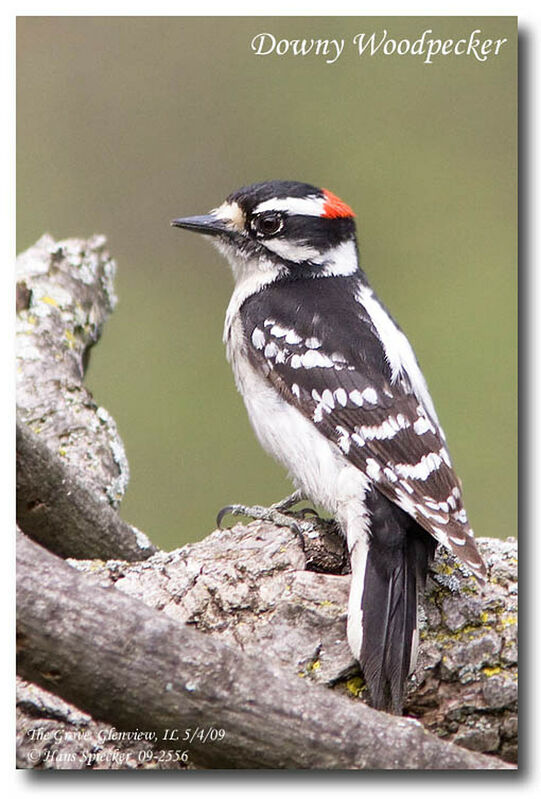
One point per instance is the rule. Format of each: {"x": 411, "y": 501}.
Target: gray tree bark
{"x": 162, "y": 676}
{"x": 241, "y": 637}
{"x": 49, "y": 496}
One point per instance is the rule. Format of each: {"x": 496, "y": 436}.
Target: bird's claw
{"x": 276, "y": 513}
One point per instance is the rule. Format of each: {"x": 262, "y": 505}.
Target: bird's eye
{"x": 267, "y": 224}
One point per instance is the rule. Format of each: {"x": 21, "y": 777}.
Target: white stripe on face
{"x": 305, "y": 206}
{"x": 291, "y": 251}
{"x": 337, "y": 261}
{"x": 341, "y": 260}
{"x": 231, "y": 213}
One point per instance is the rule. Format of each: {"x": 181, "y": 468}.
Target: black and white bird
{"x": 334, "y": 392}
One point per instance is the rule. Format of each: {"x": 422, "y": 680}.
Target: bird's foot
{"x": 279, "y": 514}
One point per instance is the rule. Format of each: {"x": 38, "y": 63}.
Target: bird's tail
{"x": 382, "y": 615}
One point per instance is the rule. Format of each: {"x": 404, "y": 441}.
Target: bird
{"x": 334, "y": 392}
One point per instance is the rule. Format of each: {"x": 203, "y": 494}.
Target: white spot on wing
{"x": 293, "y": 337}
{"x": 423, "y": 425}
{"x": 433, "y": 505}
{"x": 271, "y": 350}
{"x": 343, "y": 439}
{"x": 444, "y": 455}
{"x": 278, "y": 332}
{"x": 328, "y": 399}
{"x": 341, "y": 397}
{"x": 258, "y": 339}
{"x": 407, "y": 504}
{"x": 373, "y": 469}
{"x": 435, "y": 517}
{"x": 312, "y": 358}
{"x": 421, "y": 470}
{"x": 296, "y": 362}
{"x": 387, "y": 429}
{"x": 370, "y": 395}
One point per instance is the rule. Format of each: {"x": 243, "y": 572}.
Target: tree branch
{"x": 65, "y": 293}
{"x": 269, "y": 661}
{"x": 56, "y": 509}
{"x": 71, "y": 467}
{"x": 131, "y": 666}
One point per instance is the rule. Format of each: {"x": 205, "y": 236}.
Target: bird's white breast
{"x": 315, "y": 464}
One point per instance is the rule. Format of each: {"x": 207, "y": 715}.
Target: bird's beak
{"x": 208, "y": 224}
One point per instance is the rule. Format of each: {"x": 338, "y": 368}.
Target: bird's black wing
{"x": 342, "y": 381}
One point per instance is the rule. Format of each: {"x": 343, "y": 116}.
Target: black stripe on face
{"x": 317, "y": 231}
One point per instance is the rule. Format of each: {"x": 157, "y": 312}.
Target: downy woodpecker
{"x": 334, "y": 392}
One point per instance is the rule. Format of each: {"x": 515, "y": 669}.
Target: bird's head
{"x": 282, "y": 227}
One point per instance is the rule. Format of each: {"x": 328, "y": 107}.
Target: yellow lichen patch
{"x": 62, "y": 451}
{"x": 491, "y": 671}
{"x": 313, "y": 665}
{"x": 444, "y": 568}
{"x": 355, "y": 685}
{"x": 471, "y": 587}
{"x": 507, "y": 619}
{"x": 469, "y": 632}
{"x": 94, "y": 565}
{"x": 50, "y": 301}
{"x": 70, "y": 338}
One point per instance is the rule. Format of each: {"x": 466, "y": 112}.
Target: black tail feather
{"x": 397, "y": 560}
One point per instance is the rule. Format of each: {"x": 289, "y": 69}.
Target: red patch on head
{"x": 334, "y": 207}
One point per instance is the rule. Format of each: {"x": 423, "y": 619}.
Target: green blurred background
{"x": 125, "y": 123}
